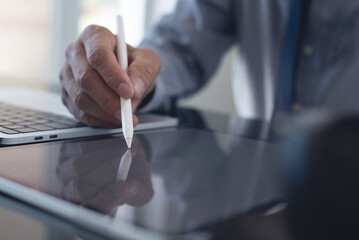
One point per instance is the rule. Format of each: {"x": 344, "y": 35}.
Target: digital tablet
{"x": 173, "y": 184}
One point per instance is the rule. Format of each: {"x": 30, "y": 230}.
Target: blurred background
{"x": 34, "y": 35}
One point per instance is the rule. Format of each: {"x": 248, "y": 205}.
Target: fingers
{"x": 91, "y": 83}
{"x": 137, "y": 194}
{"x": 144, "y": 68}
{"x": 100, "y": 46}
{"x": 108, "y": 197}
{"x": 92, "y": 79}
{"x": 82, "y": 106}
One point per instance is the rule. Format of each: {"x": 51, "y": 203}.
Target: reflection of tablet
{"x": 29, "y": 116}
{"x": 180, "y": 184}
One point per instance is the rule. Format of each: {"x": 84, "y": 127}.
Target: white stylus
{"x": 126, "y": 107}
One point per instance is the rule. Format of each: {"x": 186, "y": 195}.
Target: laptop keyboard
{"x": 16, "y": 120}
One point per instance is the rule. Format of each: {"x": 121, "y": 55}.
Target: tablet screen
{"x": 171, "y": 182}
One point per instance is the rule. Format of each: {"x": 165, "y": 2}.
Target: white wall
{"x": 24, "y": 42}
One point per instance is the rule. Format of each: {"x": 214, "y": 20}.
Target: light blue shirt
{"x": 192, "y": 40}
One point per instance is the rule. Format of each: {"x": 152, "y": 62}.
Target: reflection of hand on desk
{"x": 88, "y": 174}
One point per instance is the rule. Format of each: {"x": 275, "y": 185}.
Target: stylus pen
{"x": 126, "y": 107}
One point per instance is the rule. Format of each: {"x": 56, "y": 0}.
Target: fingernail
{"x": 125, "y": 90}
{"x": 139, "y": 87}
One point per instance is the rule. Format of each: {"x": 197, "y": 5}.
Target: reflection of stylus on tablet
{"x": 125, "y": 165}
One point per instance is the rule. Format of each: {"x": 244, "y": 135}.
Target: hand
{"x": 93, "y": 81}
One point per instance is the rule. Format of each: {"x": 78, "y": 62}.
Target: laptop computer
{"x": 29, "y": 116}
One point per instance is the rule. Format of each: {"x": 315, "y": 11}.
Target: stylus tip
{"x": 129, "y": 142}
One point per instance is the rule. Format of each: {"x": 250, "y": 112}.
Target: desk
{"x": 202, "y": 179}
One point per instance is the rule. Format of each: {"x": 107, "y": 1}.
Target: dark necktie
{"x": 293, "y": 36}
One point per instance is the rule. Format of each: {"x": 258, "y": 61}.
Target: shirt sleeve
{"x": 190, "y": 43}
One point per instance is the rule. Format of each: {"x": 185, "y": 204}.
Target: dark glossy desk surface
{"x": 214, "y": 174}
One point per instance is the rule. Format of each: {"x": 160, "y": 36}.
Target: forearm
{"x": 190, "y": 46}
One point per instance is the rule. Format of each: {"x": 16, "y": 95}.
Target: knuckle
{"x": 96, "y": 56}
{"x": 84, "y": 79}
{"x": 76, "y": 52}
{"x": 111, "y": 80}
{"x": 62, "y": 74}
{"x": 91, "y": 29}
{"x": 150, "y": 72}
{"x": 109, "y": 105}
{"x": 94, "y": 31}
{"x": 147, "y": 67}
{"x": 146, "y": 73}
{"x": 80, "y": 99}
{"x": 73, "y": 52}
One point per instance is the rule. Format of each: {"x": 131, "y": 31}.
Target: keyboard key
{"x": 41, "y": 121}
{"x": 25, "y": 123}
{"x": 30, "y": 118}
{"x": 3, "y": 123}
{"x": 14, "y": 126}
{"x": 8, "y": 131}
{"x": 26, "y": 130}
{"x": 41, "y": 127}
{"x": 7, "y": 117}
{"x": 56, "y": 125}
{"x": 42, "y": 114}
{"x": 17, "y": 120}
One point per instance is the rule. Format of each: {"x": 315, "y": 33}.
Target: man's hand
{"x": 93, "y": 81}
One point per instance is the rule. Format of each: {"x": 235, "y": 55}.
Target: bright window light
{"x": 24, "y": 42}
{"x": 103, "y": 13}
